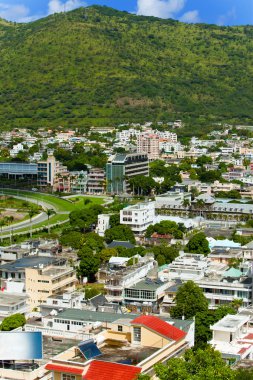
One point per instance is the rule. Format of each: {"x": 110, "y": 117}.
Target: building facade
{"x": 122, "y": 167}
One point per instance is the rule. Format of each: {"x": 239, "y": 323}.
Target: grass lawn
{"x": 11, "y": 202}
{"x": 59, "y": 204}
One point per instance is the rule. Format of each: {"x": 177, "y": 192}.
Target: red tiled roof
{"x": 249, "y": 336}
{"x": 244, "y": 349}
{"x": 64, "y": 369}
{"x": 161, "y": 327}
{"x": 99, "y": 370}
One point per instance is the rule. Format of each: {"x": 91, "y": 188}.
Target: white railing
{"x": 58, "y": 333}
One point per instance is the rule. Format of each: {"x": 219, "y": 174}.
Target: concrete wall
{"x": 151, "y": 339}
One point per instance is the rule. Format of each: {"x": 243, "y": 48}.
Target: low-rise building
{"x": 222, "y": 288}
{"x": 96, "y": 181}
{"x": 138, "y": 217}
{"x": 139, "y": 342}
{"x": 12, "y": 304}
{"x": 43, "y": 282}
{"x": 117, "y": 277}
{"x": 233, "y": 337}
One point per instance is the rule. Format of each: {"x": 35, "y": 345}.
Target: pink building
{"x": 149, "y": 144}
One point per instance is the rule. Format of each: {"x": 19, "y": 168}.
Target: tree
{"x": 203, "y": 160}
{"x": 12, "y": 322}
{"x": 198, "y": 244}
{"x": 169, "y": 253}
{"x": 114, "y": 220}
{"x": 73, "y": 239}
{"x": 205, "y": 319}
{"x": 201, "y": 364}
{"x": 186, "y": 203}
{"x": 86, "y": 201}
{"x": 89, "y": 264}
{"x": 107, "y": 253}
{"x": 189, "y": 300}
{"x": 93, "y": 241}
{"x": 85, "y": 219}
{"x": 165, "y": 227}
{"x": 119, "y": 233}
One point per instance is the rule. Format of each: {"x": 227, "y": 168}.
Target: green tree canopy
{"x": 89, "y": 264}
{"x": 198, "y": 244}
{"x": 72, "y": 239}
{"x": 189, "y": 300}
{"x": 12, "y": 322}
{"x": 85, "y": 219}
{"x": 201, "y": 364}
{"x": 119, "y": 233}
{"x": 166, "y": 227}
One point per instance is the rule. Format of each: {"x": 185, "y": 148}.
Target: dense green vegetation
{"x": 13, "y": 322}
{"x": 99, "y": 66}
{"x": 206, "y": 364}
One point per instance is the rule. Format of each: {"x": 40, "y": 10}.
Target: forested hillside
{"x": 99, "y": 66}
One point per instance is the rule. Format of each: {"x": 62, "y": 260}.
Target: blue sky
{"x": 221, "y": 12}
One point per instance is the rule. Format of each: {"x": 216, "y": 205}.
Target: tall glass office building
{"x": 122, "y": 167}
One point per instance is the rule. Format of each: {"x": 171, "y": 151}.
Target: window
{"x": 66, "y": 376}
{"x": 120, "y": 328}
{"x": 137, "y": 334}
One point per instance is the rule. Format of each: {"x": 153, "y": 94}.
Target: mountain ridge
{"x": 99, "y": 66}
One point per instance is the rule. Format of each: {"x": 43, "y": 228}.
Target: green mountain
{"x": 99, "y": 66}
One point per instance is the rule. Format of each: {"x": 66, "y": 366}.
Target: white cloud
{"x": 15, "y": 12}
{"x": 227, "y": 17}
{"x": 160, "y": 8}
{"x": 56, "y": 6}
{"x": 190, "y": 17}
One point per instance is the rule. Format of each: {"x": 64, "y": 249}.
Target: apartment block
{"x": 96, "y": 181}
{"x": 138, "y": 217}
{"x": 149, "y": 144}
{"x": 44, "y": 282}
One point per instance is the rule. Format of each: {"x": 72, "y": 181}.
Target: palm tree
{"x": 237, "y": 303}
{"x": 50, "y": 212}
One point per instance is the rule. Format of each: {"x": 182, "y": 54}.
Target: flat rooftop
{"x": 143, "y": 285}
{"x": 29, "y": 262}
{"x": 7, "y": 299}
{"x": 56, "y": 271}
{"x": 230, "y": 322}
{"x": 118, "y": 353}
{"x": 93, "y": 316}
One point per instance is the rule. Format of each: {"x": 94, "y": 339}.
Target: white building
{"x": 172, "y": 199}
{"x": 233, "y": 337}
{"x": 138, "y": 217}
{"x": 222, "y": 288}
{"x": 118, "y": 278}
{"x": 103, "y": 224}
{"x": 187, "y": 267}
{"x": 16, "y": 149}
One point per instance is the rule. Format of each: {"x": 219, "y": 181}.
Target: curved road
{"x": 42, "y": 217}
